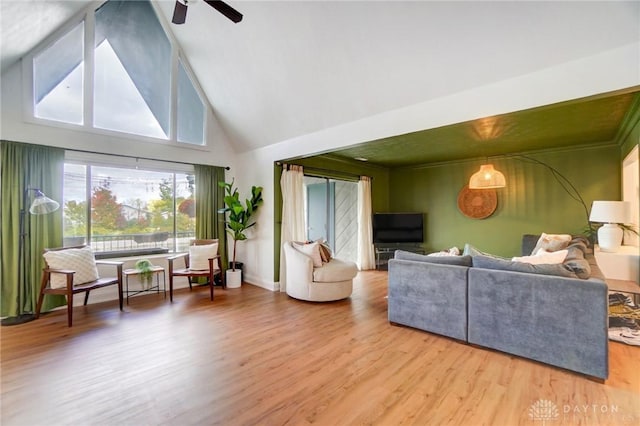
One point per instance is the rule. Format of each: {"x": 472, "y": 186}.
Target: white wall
{"x": 605, "y": 72}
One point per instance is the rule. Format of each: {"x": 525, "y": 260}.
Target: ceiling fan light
{"x": 487, "y": 178}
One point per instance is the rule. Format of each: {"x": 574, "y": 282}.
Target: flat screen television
{"x": 397, "y": 228}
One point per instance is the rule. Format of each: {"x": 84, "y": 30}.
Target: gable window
{"x": 126, "y": 211}
{"x": 190, "y": 110}
{"x": 126, "y": 85}
{"x": 58, "y": 75}
{"x": 132, "y": 84}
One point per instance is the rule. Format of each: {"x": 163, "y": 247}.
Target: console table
{"x": 625, "y": 286}
{"x": 622, "y": 265}
{"x": 383, "y": 254}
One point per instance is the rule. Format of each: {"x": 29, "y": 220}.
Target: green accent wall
{"x": 629, "y": 134}
{"x": 532, "y": 202}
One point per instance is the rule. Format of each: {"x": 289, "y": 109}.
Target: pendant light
{"x": 487, "y": 178}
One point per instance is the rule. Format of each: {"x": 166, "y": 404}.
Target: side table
{"x": 155, "y": 270}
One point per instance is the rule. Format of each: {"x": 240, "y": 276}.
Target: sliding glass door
{"x": 332, "y": 208}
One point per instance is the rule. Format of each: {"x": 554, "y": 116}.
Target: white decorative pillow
{"x": 199, "y": 256}
{"x": 80, "y": 260}
{"x": 544, "y": 257}
{"x": 552, "y": 242}
{"x": 312, "y": 250}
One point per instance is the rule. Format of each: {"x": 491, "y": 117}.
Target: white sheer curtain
{"x": 293, "y": 221}
{"x": 366, "y": 256}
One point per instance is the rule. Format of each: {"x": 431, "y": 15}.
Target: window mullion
{"x": 88, "y": 203}
{"x": 89, "y": 67}
{"x": 173, "y": 127}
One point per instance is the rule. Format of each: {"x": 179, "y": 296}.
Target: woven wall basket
{"x": 477, "y": 203}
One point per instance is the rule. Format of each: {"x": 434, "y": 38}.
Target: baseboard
{"x": 258, "y": 282}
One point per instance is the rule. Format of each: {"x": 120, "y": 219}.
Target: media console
{"x": 384, "y": 253}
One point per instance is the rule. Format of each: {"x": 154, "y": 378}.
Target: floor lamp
{"x": 41, "y": 205}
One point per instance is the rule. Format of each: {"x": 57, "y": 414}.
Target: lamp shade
{"x": 43, "y": 204}
{"x": 610, "y": 212}
{"x": 487, "y": 178}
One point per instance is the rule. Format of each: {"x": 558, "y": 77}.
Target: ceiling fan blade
{"x": 179, "y": 13}
{"x": 225, "y": 9}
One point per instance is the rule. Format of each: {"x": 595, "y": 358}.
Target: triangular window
{"x": 190, "y": 110}
{"x": 58, "y": 77}
{"x": 130, "y": 75}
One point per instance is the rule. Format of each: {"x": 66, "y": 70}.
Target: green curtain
{"x": 28, "y": 166}
{"x": 210, "y": 198}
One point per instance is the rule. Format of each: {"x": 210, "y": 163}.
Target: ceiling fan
{"x": 180, "y": 11}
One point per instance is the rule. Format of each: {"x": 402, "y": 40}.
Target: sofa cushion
{"x": 335, "y": 270}
{"x": 442, "y": 260}
{"x": 487, "y": 262}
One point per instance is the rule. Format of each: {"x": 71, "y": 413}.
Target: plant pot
{"x": 234, "y": 278}
{"x": 237, "y": 268}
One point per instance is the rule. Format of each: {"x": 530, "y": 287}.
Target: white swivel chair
{"x": 332, "y": 281}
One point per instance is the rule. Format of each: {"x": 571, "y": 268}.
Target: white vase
{"x": 234, "y": 278}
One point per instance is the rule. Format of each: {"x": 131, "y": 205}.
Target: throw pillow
{"x": 199, "y": 256}
{"x": 552, "y": 242}
{"x": 312, "y": 250}
{"x": 325, "y": 253}
{"x": 506, "y": 265}
{"x": 580, "y": 267}
{"x": 80, "y": 260}
{"x": 453, "y": 251}
{"x": 325, "y": 250}
{"x": 543, "y": 257}
{"x": 470, "y": 250}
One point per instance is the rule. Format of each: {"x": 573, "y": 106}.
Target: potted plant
{"x": 238, "y": 221}
{"x": 146, "y": 272}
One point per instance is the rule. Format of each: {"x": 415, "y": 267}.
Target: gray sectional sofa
{"x": 541, "y": 312}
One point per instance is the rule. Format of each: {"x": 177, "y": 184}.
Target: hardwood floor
{"x": 256, "y": 357}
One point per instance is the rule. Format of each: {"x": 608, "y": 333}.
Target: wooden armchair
{"x": 71, "y": 270}
{"x": 202, "y": 260}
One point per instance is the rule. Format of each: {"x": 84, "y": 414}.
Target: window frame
{"x": 125, "y": 163}
{"x": 87, "y": 16}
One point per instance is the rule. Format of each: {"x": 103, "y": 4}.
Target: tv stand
{"x": 385, "y": 252}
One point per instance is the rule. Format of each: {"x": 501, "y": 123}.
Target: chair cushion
{"x": 80, "y": 260}
{"x": 335, "y": 270}
{"x": 199, "y": 256}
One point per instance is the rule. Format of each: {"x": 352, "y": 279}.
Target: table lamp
{"x": 611, "y": 213}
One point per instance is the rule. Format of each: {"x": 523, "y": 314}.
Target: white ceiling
{"x": 292, "y": 68}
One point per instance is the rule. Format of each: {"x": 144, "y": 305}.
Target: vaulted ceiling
{"x": 292, "y": 68}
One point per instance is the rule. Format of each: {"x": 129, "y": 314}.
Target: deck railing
{"x": 126, "y": 243}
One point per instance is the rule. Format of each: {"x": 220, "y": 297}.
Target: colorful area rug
{"x": 624, "y": 319}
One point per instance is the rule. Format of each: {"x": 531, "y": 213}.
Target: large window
{"x": 121, "y": 211}
{"x": 129, "y": 74}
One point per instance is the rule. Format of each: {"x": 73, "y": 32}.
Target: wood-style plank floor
{"x": 257, "y": 357}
